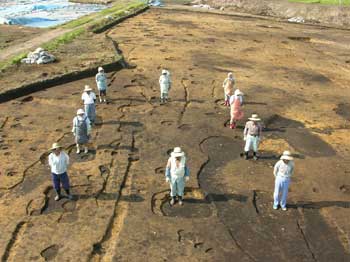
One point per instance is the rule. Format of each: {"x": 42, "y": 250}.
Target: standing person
{"x": 176, "y": 173}
{"x": 165, "y": 85}
{"x": 81, "y": 130}
{"x": 228, "y": 86}
{"x": 89, "y": 99}
{"x": 58, "y": 162}
{"x": 282, "y": 171}
{"x": 101, "y": 81}
{"x": 236, "y": 112}
{"x": 252, "y": 135}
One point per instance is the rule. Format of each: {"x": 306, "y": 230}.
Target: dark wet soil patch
{"x": 343, "y": 109}
{"x": 345, "y": 189}
{"x": 214, "y": 61}
{"x": 50, "y": 252}
{"x": 299, "y": 137}
{"x": 177, "y": 23}
{"x": 82, "y": 157}
{"x": 51, "y": 205}
{"x": 185, "y": 127}
{"x": 300, "y": 38}
{"x": 192, "y": 208}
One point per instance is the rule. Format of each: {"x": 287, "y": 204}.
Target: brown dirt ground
{"x": 88, "y": 50}
{"x": 295, "y": 76}
{"x": 11, "y": 35}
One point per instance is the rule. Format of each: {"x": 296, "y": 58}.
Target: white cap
{"x": 80, "y": 112}
{"x": 164, "y": 72}
{"x": 238, "y": 92}
{"x": 100, "y": 69}
{"x": 87, "y": 88}
{"x": 254, "y": 117}
{"x": 286, "y": 155}
{"x": 177, "y": 152}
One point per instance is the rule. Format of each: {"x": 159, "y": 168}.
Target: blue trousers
{"x": 90, "y": 111}
{"x": 57, "y": 180}
{"x": 177, "y": 186}
{"x": 281, "y": 191}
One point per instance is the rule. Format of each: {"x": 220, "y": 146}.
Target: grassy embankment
{"x": 324, "y": 2}
{"x": 83, "y": 25}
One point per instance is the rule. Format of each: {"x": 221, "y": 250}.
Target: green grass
{"x": 63, "y": 39}
{"x": 325, "y": 2}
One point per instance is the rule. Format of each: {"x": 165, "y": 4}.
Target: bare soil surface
{"x": 315, "y": 13}
{"x": 294, "y": 76}
{"x": 16, "y": 35}
{"x": 88, "y": 50}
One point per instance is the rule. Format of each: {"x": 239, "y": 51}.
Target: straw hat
{"x": 80, "y": 112}
{"x": 87, "y": 88}
{"x": 177, "y": 152}
{"x": 100, "y": 69}
{"x": 286, "y": 156}
{"x": 238, "y": 92}
{"x": 254, "y": 117}
{"x": 55, "y": 146}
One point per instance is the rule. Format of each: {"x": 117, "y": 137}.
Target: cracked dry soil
{"x": 121, "y": 212}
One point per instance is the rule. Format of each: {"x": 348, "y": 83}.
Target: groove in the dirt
{"x": 213, "y": 87}
{"x": 300, "y": 227}
{"x": 13, "y": 240}
{"x": 187, "y": 101}
{"x": 98, "y": 247}
{"x": 254, "y": 201}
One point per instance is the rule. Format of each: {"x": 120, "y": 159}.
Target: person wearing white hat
{"x": 58, "y": 162}
{"x": 228, "y": 86}
{"x": 89, "y": 99}
{"x": 282, "y": 171}
{"x": 101, "y": 81}
{"x": 236, "y": 112}
{"x": 177, "y": 172}
{"x": 81, "y": 130}
{"x": 165, "y": 85}
{"x": 252, "y": 135}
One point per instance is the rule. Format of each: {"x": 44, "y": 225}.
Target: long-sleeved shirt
{"x": 171, "y": 161}
{"x": 75, "y": 123}
{"x": 58, "y": 164}
{"x": 252, "y": 128}
{"x": 283, "y": 170}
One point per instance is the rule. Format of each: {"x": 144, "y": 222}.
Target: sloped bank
{"x": 315, "y": 13}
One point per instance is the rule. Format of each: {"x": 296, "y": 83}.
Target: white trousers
{"x": 281, "y": 191}
{"x": 252, "y": 142}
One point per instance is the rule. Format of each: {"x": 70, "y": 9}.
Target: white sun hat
{"x": 87, "y": 88}
{"x": 238, "y": 92}
{"x": 80, "y": 112}
{"x": 177, "y": 152}
{"x": 100, "y": 69}
{"x": 230, "y": 74}
{"x": 254, "y": 117}
{"x": 164, "y": 72}
{"x": 55, "y": 146}
{"x": 286, "y": 156}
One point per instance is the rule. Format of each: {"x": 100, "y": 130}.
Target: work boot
{"x": 100, "y": 100}
{"x": 255, "y": 157}
{"x": 57, "y": 197}
{"x": 78, "y": 149}
{"x": 86, "y": 150}
{"x": 233, "y": 125}
{"x": 246, "y": 155}
{"x": 284, "y": 208}
{"x": 180, "y": 201}
{"x": 172, "y": 201}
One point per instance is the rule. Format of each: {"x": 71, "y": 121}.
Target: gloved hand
{"x": 167, "y": 179}
{"x": 245, "y": 138}
{"x": 187, "y": 178}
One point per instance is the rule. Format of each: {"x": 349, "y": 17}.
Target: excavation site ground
{"x": 295, "y": 76}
